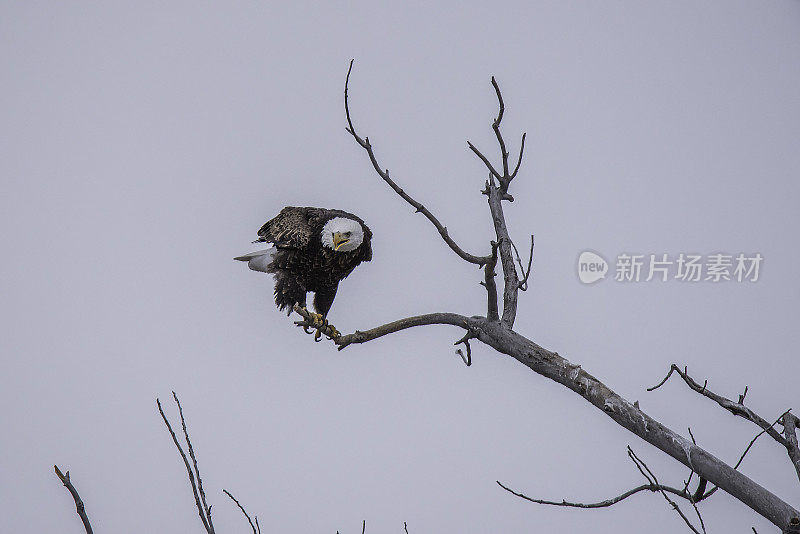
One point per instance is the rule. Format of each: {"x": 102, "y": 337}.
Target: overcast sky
{"x": 144, "y": 143}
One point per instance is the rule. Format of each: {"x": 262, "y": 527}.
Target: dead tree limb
{"x": 358, "y": 336}
{"x": 500, "y": 336}
{"x": 599, "y": 504}
{"x": 384, "y": 173}
{"x": 79, "y": 507}
{"x": 653, "y": 485}
{"x": 788, "y": 440}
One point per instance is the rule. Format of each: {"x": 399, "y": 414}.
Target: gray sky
{"x": 143, "y": 145}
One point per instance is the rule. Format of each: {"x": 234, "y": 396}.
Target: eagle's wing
{"x": 291, "y": 228}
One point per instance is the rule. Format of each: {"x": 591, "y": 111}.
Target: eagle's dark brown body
{"x": 301, "y": 263}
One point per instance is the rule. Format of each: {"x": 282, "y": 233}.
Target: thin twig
{"x": 600, "y": 504}
{"x": 691, "y": 471}
{"x": 651, "y": 476}
{"x": 79, "y": 506}
{"x": 228, "y": 493}
{"x": 194, "y": 463}
{"x": 701, "y": 487}
{"x": 739, "y": 462}
{"x": 201, "y": 512}
{"x": 485, "y": 160}
{"x": 384, "y": 173}
{"x": 405, "y": 527}
{"x": 526, "y": 272}
{"x": 519, "y": 161}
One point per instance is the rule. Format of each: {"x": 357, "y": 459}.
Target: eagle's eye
{"x": 347, "y": 234}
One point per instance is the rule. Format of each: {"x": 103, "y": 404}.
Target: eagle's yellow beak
{"x": 339, "y": 240}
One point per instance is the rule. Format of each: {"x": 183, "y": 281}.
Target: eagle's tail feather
{"x": 258, "y": 260}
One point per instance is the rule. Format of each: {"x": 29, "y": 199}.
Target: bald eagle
{"x": 314, "y": 249}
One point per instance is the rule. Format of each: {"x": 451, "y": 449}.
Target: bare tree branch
{"x": 485, "y": 161}
{"x": 652, "y": 485}
{"x": 505, "y": 178}
{"x": 79, "y": 507}
{"x": 519, "y": 160}
{"x": 600, "y": 504}
{"x": 255, "y": 530}
{"x": 525, "y": 271}
{"x": 736, "y": 408}
{"x": 384, "y": 173}
{"x": 205, "y": 513}
{"x": 358, "y": 336}
{"x": 496, "y": 128}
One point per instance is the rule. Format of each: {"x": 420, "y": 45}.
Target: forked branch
{"x": 505, "y": 178}
{"x": 525, "y": 271}
{"x": 740, "y": 410}
{"x": 652, "y": 485}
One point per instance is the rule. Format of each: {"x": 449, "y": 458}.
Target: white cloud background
{"x": 144, "y": 144}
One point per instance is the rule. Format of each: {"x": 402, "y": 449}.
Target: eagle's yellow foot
{"x": 319, "y": 323}
{"x": 330, "y": 330}
{"x": 318, "y": 319}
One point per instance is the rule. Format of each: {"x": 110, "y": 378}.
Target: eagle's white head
{"x": 342, "y": 234}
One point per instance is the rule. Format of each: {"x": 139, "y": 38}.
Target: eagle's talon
{"x": 318, "y": 336}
